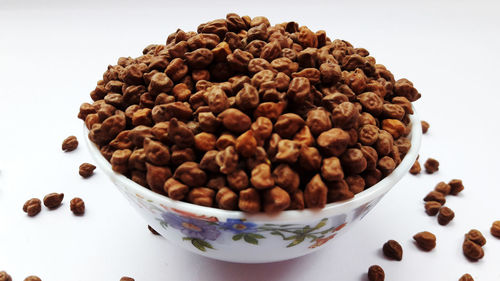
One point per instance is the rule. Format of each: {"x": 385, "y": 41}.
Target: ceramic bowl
{"x": 236, "y": 236}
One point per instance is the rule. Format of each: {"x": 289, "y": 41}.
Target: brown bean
{"x": 53, "y": 200}
{"x": 246, "y": 144}
{"x": 175, "y": 189}
{"x": 287, "y": 178}
{"x": 288, "y": 151}
{"x": 315, "y": 194}
{"x": 77, "y": 206}
{"x": 276, "y": 199}
{"x": 495, "y": 229}
{"x": 201, "y": 196}
{"x": 445, "y": 215}
{"x": 226, "y": 199}
{"x": 86, "y": 170}
{"x": 235, "y": 120}
{"x": 190, "y": 174}
{"x": 227, "y": 160}
{"x": 435, "y": 196}
{"x": 32, "y": 207}
{"x": 456, "y": 186}
{"x": 69, "y": 144}
{"x": 431, "y": 165}
{"x": 476, "y": 236}
{"x": 249, "y": 200}
{"x": 466, "y": 277}
{"x": 393, "y": 250}
{"x": 432, "y": 207}
{"x": 472, "y": 250}
{"x": 425, "y": 240}
{"x": 288, "y": 124}
{"x": 334, "y": 141}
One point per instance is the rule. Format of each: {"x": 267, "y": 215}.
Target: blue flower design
{"x": 239, "y": 226}
{"x": 192, "y": 228}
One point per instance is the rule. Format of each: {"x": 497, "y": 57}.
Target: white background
{"x": 53, "y": 52}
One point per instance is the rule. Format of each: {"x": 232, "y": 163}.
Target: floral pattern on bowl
{"x": 202, "y": 230}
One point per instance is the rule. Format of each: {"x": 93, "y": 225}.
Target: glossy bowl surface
{"x": 236, "y": 236}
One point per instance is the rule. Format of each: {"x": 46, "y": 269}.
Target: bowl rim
{"x": 330, "y": 210}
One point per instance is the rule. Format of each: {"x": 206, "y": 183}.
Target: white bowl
{"x": 236, "y": 236}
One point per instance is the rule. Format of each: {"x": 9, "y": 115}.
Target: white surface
{"x": 52, "y": 53}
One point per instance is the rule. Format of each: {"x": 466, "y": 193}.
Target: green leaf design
{"x": 296, "y": 242}
{"x": 199, "y": 243}
{"x": 279, "y": 225}
{"x": 237, "y": 237}
{"x": 327, "y": 230}
{"x": 291, "y": 237}
{"x": 321, "y": 224}
{"x": 278, "y": 233}
{"x": 154, "y": 208}
{"x": 250, "y": 239}
{"x": 162, "y": 223}
{"x": 258, "y": 236}
{"x": 313, "y": 237}
{"x": 205, "y": 243}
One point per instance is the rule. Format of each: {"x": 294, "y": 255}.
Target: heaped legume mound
{"x": 245, "y": 115}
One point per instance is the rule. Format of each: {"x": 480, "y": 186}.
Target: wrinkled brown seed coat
{"x": 77, "y": 206}
{"x": 86, "y": 170}
{"x": 466, "y": 277}
{"x": 425, "y": 240}
{"x": 445, "y": 215}
{"x": 53, "y": 200}
{"x": 495, "y": 229}
{"x": 32, "y": 207}
{"x": 69, "y": 144}
{"x": 393, "y": 250}
{"x": 376, "y": 273}
{"x": 240, "y": 96}
{"x": 4, "y": 276}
